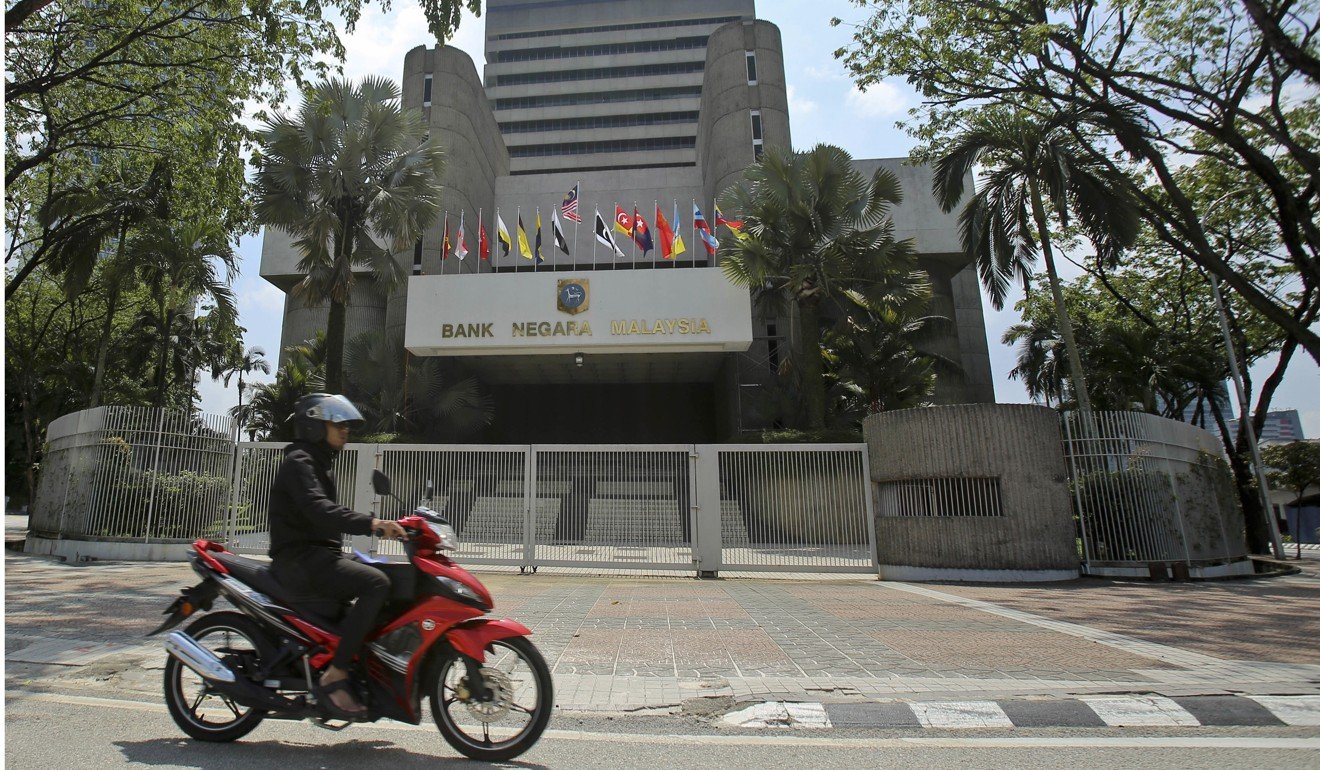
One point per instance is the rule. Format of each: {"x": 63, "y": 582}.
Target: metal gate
{"x": 779, "y": 507}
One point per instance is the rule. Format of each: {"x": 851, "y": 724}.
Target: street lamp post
{"x": 1244, "y": 408}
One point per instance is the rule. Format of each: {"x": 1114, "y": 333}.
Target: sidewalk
{"x": 677, "y": 645}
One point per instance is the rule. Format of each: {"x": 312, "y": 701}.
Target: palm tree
{"x": 815, "y": 230}
{"x": 440, "y": 402}
{"x": 877, "y": 365}
{"x": 248, "y": 361}
{"x": 179, "y": 265}
{"x": 1034, "y": 169}
{"x": 272, "y": 403}
{"x": 353, "y": 178}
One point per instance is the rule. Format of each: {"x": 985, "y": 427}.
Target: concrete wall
{"x": 724, "y": 134}
{"x": 366, "y": 311}
{"x": 1018, "y": 444}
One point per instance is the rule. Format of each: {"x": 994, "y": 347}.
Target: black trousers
{"x": 319, "y": 572}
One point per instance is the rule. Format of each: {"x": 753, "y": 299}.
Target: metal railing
{"x": 1148, "y": 489}
{"x": 790, "y": 507}
{"x": 147, "y": 475}
{"x": 135, "y": 473}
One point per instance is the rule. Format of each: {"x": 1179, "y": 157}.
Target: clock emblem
{"x": 573, "y": 295}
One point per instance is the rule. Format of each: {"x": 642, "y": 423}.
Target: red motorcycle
{"x": 489, "y": 686}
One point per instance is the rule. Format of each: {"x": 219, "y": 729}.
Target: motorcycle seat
{"x": 322, "y": 612}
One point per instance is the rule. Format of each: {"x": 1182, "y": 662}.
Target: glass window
{"x": 756, "y": 125}
{"x": 426, "y": 92}
{"x": 751, "y": 68}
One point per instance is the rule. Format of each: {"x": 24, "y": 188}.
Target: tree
{"x": 877, "y": 364}
{"x": 1149, "y": 88}
{"x": 241, "y": 362}
{"x": 179, "y": 264}
{"x": 353, "y": 178}
{"x": 814, "y": 230}
{"x": 270, "y": 413}
{"x": 1036, "y": 175}
{"x": 434, "y": 399}
{"x": 1294, "y": 466}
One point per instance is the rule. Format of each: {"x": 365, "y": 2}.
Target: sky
{"x": 824, "y": 107}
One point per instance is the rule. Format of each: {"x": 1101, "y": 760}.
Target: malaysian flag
{"x": 569, "y": 207}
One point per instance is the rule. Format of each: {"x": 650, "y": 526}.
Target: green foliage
{"x": 353, "y": 178}
{"x": 1147, "y": 89}
{"x": 1294, "y": 466}
{"x": 269, "y": 414}
{"x": 442, "y": 403}
{"x": 818, "y": 234}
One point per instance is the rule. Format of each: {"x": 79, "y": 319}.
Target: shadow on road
{"x": 184, "y": 752}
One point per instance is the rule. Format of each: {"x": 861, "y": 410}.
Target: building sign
{"x": 629, "y": 311}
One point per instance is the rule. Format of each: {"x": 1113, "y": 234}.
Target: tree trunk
{"x": 1258, "y": 535}
{"x": 1061, "y": 312}
{"x": 813, "y": 370}
{"x": 334, "y": 347}
{"x": 103, "y": 350}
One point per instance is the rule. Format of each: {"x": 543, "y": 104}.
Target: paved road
{"x": 45, "y": 730}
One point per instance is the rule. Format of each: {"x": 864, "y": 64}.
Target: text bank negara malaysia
{"x": 644, "y": 112}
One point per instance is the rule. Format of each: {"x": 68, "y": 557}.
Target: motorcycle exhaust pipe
{"x": 198, "y": 658}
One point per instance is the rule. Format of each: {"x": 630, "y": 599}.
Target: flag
{"x": 460, "y": 246}
{"x": 679, "y": 248}
{"x": 641, "y": 233}
{"x": 732, "y": 224}
{"x": 523, "y": 248}
{"x": 444, "y": 244}
{"x": 483, "y": 243}
{"x": 622, "y": 222}
{"x": 560, "y": 241}
{"x": 569, "y": 206}
{"x": 666, "y": 234}
{"x": 537, "y": 250}
{"x": 502, "y": 233}
{"x": 703, "y": 230}
{"x": 604, "y": 235}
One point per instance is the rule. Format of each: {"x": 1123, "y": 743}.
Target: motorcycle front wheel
{"x": 512, "y": 717}
{"x": 199, "y": 710}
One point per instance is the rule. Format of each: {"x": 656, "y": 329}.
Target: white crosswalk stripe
{"x": 1297, "y": 710}
{"x": 1139, "y": 711}
{"x": 961, "y": 714}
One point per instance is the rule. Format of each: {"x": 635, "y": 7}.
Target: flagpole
{"x": 659, "y": 234}
{"x": 478, "y": 240}
{"x": 577, "y": 187}
{"x": 680, "y": 231}
{"x": 695, "y": 238}
{"x": 536, "y": 263}
{"x": 594, "y": 239}
{"x": 633, "y": 237}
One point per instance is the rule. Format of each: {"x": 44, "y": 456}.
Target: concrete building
{"x": 638, "y": 105}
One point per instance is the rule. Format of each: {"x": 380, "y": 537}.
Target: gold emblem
{"x": 573, "y": 295}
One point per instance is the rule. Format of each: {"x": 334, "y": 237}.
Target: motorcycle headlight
{"x": 458, "y": 588}
{"x": 445, "y": 534}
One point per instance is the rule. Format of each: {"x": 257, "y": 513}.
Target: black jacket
{"x": 303, "y": 510}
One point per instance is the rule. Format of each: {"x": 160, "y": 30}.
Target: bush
{"x": 794, "y": 436}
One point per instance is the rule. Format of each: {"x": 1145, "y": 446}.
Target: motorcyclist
{"x": 307, "y": 525}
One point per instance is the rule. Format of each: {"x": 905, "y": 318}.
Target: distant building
{"x": 1280, "y": 427}
{"x": 635, "y": 106}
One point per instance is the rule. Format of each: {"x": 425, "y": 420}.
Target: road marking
{"x": 778, "y": 739}
{"x": 1299, "y": 710}
{"x": 780, "y": 715}
{"x": 1139, "y": 711}
{"x": 961, "y": 714}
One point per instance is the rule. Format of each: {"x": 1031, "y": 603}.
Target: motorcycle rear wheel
{"x": 506, "y": 725}
{"x": 199, "y": 711}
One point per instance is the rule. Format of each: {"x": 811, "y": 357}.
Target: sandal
{"x": 323, "y": 693}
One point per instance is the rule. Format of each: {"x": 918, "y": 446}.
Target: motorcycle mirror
{"x": 380, "y": 482}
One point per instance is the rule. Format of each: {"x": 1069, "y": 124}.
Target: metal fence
{"x": 789, "y": 508}
{"x": 147, "y": 475}
{"x": 1149, "y": 489}
{"x": 135, "y": 473}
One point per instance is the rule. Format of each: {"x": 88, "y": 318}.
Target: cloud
{"x": 799, "y": 105}
{"x": 880, "y": 100}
